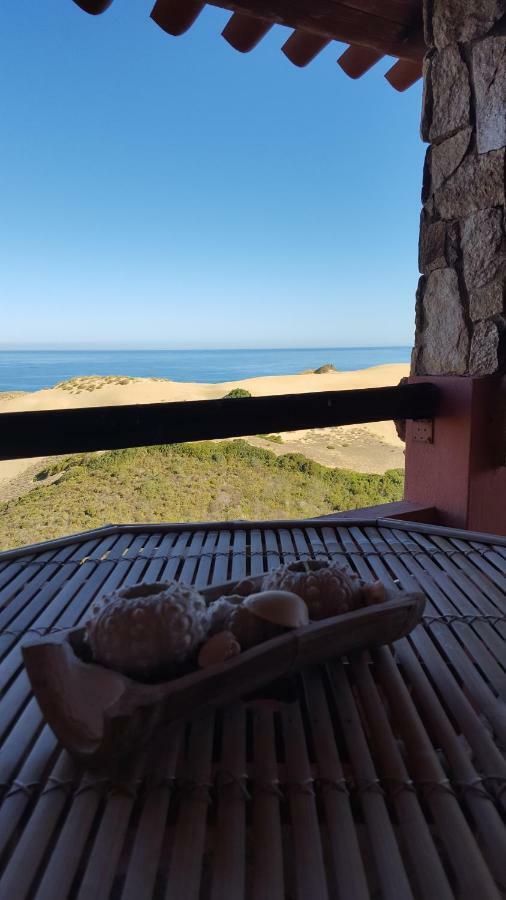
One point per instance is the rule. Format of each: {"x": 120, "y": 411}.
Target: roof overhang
{"x": 371, "y": 28}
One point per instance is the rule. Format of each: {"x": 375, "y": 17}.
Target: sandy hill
{"x": 373, "y": 447}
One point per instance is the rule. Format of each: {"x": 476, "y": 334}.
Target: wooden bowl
{"x": 102, "y": 716}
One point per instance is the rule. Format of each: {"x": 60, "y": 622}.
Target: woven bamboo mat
{"x": 381, "y": 776}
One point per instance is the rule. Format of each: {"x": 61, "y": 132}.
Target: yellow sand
{"x": 366, "y": 448}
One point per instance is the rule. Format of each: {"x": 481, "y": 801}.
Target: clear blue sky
{"x": 172, "y": 191}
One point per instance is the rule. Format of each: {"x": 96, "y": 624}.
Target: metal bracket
{"x": 423, "y": 431}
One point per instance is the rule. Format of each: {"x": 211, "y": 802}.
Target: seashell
{"x": 326, "y": 588}
{"x": 220, "y": 612}
{"x": 245, "y": 587}
{"x": 257, "y": 617}
{"x": 217, "y": 649}
{"x": 250, "y": 629}
{"x": 279, "y": 607}
{"x": 147, "y": 627}
{"x": 374, "y": 593}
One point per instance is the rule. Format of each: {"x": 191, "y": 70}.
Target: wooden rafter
{"x": 349, "y": 22}
{"x": 373, "y": 28}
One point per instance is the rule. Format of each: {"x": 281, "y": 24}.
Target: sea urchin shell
{"x": 143, "y": 628}
{"x": 326, "y": 588}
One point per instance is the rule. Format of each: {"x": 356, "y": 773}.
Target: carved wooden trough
{"x": 102, "y": 716}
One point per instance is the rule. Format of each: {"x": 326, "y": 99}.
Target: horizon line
{"x": 117, "y": 349}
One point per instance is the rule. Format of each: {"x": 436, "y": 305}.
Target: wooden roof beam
{"x": 245, "y": 32}
{"x": 93, "y": 7}
{"x": 176, "y": 16}
{"x": 336, "y": 21}
{"x": 403, "y": 74}
{"x": 302, "y": 47}
{"x": 356, "y": 61}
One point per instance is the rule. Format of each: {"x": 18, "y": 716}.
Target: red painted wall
{"x": 462, "y": 473}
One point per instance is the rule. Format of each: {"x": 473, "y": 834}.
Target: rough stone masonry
{"x": 460, "y": 308}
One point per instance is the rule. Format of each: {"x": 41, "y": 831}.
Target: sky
{"x": 173, "y": 192}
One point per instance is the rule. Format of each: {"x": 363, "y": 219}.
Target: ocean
{"x": 33, "y": 370}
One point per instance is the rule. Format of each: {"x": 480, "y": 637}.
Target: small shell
{"x": 279, "y": 607}
{"x": 245, "y": 587}
{"x": 218, "y": 649}
{"x": 220, "y": 612}
{"x": 249, "y": 629}
{"x": 374, "y": 593}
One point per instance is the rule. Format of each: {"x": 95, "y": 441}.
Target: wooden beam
{"x": 60, "y": 431}
{"x": 392, "y": 27}
{"x": 404, "y": 74}
{"x": 406, "y": 12}
{"x": 93, "y": 7}
{"x": 302, "y": 47}
{"x": 356, "y": 61}
{"x": 243, "y": 33}
{"x": 176, "y": 16}
{"x": 338, "y": 21}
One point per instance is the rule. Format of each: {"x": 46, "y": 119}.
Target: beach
{"x": 372, "y": 447}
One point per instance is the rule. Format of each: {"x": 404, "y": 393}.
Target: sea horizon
{"x": 33, "y": 369}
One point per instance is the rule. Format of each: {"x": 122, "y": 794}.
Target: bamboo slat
{"x": 349, "y": 873}
{"x": 390, "y": 868}
{"x": 308, "y": 863}
{"x": 144, "y": 859}
{"x": 469, "y": 867}
{"x": 230, "y": 857}
{"x": 187, "y": 856}
{"x": 428, "y": 871}
{"x": 267, "y": 880}
{"x": 382, "y": 776}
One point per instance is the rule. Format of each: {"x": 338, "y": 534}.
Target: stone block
{"x": 445, "y": 158}
{"x": 478, "y": 183}
{"x": 438, "y": 246}
{"x": 485, "y": 349}
{"x": 426, "y": 118}
{"x": 487, "y": 301}
{"x": 427, "y": 22}
{"x": 451, "y": 94}
{"x": 489, "y": 74}
{"x": 459, "y": 21}
{"x": 443, "y": 340}
{"x": 483, "y": 247}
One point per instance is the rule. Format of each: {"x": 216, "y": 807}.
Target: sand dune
{"x": 148, "y": 390}
{"x": 373, "y": 447}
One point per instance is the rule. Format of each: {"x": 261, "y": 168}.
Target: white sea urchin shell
{"x": 146, "y": 627}
{"x": 326, "y": 588}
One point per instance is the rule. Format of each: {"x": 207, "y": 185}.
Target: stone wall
{"x": 460, "y": 308}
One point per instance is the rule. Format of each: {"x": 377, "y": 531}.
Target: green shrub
{"x": 236, "y": 393}
{"x": 186, "y": 482}
{"x": 273, "y": 438}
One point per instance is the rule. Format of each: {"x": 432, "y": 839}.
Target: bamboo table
{"x": 380, "y": 776}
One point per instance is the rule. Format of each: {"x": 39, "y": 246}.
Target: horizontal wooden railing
{"x": 58, "y": 431}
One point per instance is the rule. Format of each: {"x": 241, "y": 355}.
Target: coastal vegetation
{"x": 273, "y": 438}
{"x": 211, "y": 480}
{"x": 95, "y": 382}
{"x": 237, "y": 394}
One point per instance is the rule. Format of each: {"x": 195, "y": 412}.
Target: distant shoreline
{"x": 90, "y": 348}
{"x": 35, "y": 370}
